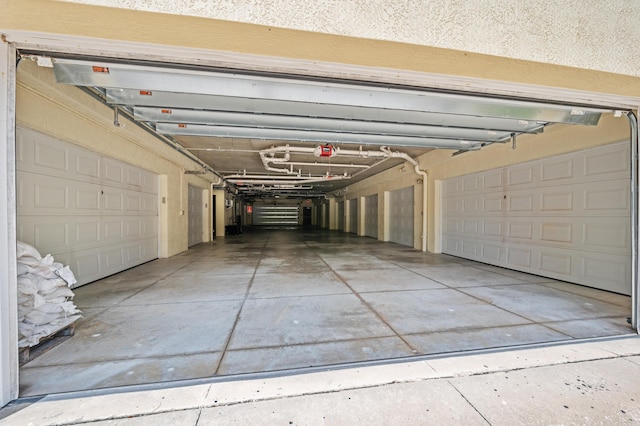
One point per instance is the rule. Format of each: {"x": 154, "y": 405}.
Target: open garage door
{"x": 371, "y": 216}
{"x": 401, "y": 217}
{"x": 94, "y": 213}
{"x": 565, "y": 217}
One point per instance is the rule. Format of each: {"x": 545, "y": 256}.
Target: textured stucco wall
{"x": 590, "y": 34}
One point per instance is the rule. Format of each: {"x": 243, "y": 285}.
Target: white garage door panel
{"x": 96, "y": 214}
{"x": 340, "y": 213}
{"x": 610, "y": 272}
{"x": 121, "y": 175}
{"x": 610, "y": 198}
{"x": 582, "y": 233}
{"x": 566, "y": 217}
{"x": 401, "y": 215}
{"x": 195, "y": 212}
{"x": 46, "y": 155}
{"x": 371, "y": 216}
{"x": 611, "y": 269}
{"x": 55, "y": 233}
{"x": 353, "y": 216}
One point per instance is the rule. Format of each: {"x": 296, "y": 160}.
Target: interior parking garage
{"x": 235, "y": 220}
{"x": 314, "y": 252}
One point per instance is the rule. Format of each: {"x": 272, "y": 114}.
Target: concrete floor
{"x": 575, "y": 383}
{"x": 279, "y": 300}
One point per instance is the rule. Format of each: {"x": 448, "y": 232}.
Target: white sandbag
{"x": 23, "y": 268}
{"x": 38, "y": 334}
{"x": 47, "y": 260}
{"x": 38, "y": 300}
{"x": 57, "y": 300}
{"x": 49, "y": 285}
{"x": 38, "y": 318}
{"x": 23, "y": 311}
{"x": 29, "y": 260}
{"x": 69, "y": 308}
{"x": 59, "y": 292}
{"x": 24, "y": 249}
{"x": 67, "y": 275}
{"x": 28, "y": 284}
{"x": 50, "y": 308}
{"x": 65, "y": 308}
{"x": 46, "y": 271}
{"x": 44, "y": 330}
{"x": 26, "y": 329}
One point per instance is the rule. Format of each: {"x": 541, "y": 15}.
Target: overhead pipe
{"x": 271, "y": 188}
{"x": 268, "y": 157}
{"x": 316, "y": 164}
{"x": 286, "y": 149}
{"x": 300, "y": 181}
{"x": 268, "y": 176}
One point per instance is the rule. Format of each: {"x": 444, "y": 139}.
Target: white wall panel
{"x": 565, "y": 217}
{"x": 96, "y": 214}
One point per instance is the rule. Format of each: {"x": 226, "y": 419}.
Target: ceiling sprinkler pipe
{"x": 268, "y": 176}
{"x": 268, "y": 156}
{"x": 300, "y": 181}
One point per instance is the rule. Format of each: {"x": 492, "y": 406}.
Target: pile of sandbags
{"x": 44, "y": 296}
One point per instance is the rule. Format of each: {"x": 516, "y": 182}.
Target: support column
{"x": 386, "y": 215}
{"x": 361, "y": 215}
{"x": 333, "y": 214}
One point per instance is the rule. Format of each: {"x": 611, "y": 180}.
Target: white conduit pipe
{"x": 220, "y": 181}
{"x": 291, "y": 182}
{"x": 249, "y": 177}
{"x": 277, "y": 149}
{"x": 287, "y": 150}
